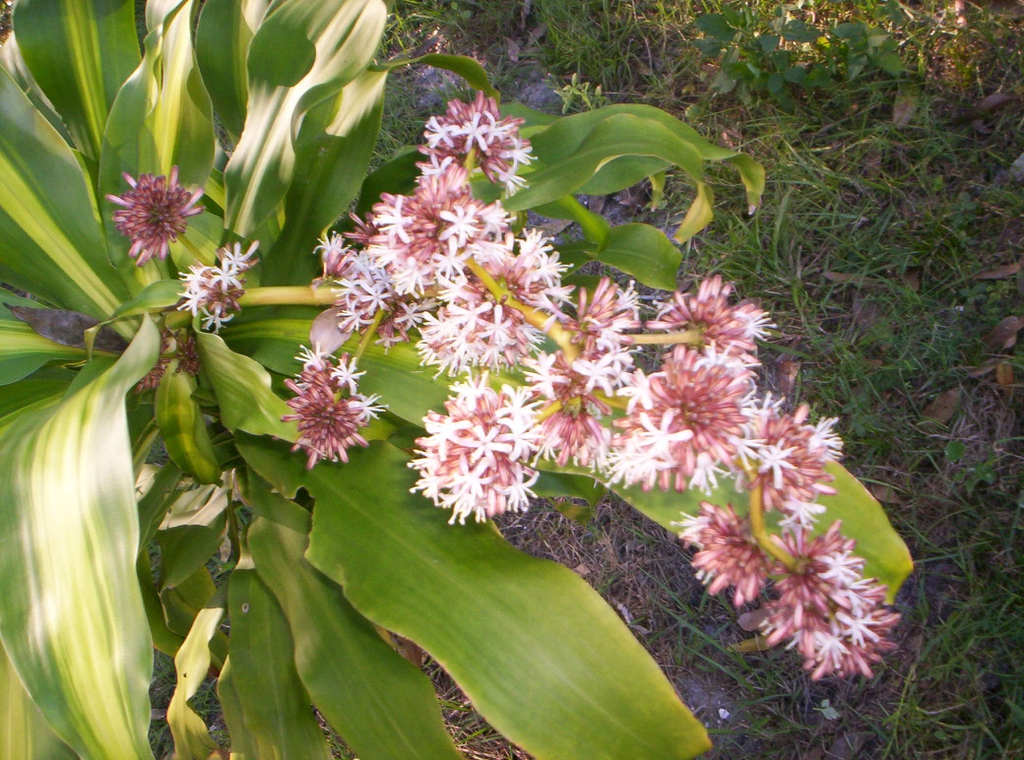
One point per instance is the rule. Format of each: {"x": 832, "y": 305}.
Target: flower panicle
{"x": 213, "y": 291}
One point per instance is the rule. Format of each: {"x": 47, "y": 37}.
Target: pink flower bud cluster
{"x": 327, "y": 407}
{"x": 215, "y": 290}
{"x": 174, "y": 344}
{"x": 153, "y": 213}
{"x": 480, "y": 128}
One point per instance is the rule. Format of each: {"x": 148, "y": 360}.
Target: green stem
{"x": 550, "y": 409}
{"x": 535, "y": 317}
{"x": 371, "y": 331}
{"x": 288, "y": 295}
{"x": 761, "y": 535}
{"x": 690, "y": 337}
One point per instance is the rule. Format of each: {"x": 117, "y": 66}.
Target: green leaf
{"x": 73, "y": 622}
{"x": 397, "y": 176}
{"x": 23, "y": 350}
{"x": 618, "y": 135}
{"x": 595, "y": 227}
{"x": 192, "y": 740}
{"x": 187, "y": 541}
{"x": 409, "y": 389}
{"x": 467, "y": 68}
{"x": 156, "y": 296}
{"x": 715, "y": 25}
{"x": 644, "y": 252}
{"x": 698, "y": 216}
{"x": 12, "y": 60}
{"x": 51, "y": 239}
{"x": 225, "y": 30}
{"x": 182, "y": 426}
{"x": 565, "y": 485}
{"x": 302, "y": 54}
{"x": 243, "y": 743}
{"x": 24, "y": 733}
{"x": 243, "y": 391}
{"x": 886, "y": 555}
{"x": 80, "y": 52}
{"x": 39, "y": 391}
{"x": 274, "y": 705}
{"x": 333, "y": 148}
{"x": 539, "y": 653}
{"x": 382, "y": 705}
{"x": 162, "y": 118}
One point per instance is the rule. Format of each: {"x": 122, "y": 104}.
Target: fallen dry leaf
{"x": 981, "y": 127}
{"x": 994, "y": 101}
{"x": 985, "y": 368}
{"x": 751, "y": 621}
{"x": 1001, "y": 272}
{"x": 1004, "y": 374}
{"x": 789, "y": 370}
{"x": 1004, "y": 335}
{"x": 848, "y": 746}
{"x": 883, "y": 493}
{"x": 848, "y": 279}
{"x": 912, "y": 278}
{"x": 903, "y": 108}
{"x": 581, "y": 569}
{"x": 866, "y": 313}
{"x": 943, "y": 407}
{"x": 512, "y": 48}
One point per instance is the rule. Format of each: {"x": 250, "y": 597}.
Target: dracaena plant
{"x": 236, "y": 343}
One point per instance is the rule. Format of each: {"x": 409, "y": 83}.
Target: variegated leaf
{"x": 73, "y": 622}
{"x": 51, "y": 238}
{"x": 302, "y": 54}
{"x": 80, "y": 52}
{"x": 192, "y": 740}
{"x": 24, "y": 733}
{"x": 162, "y": 117}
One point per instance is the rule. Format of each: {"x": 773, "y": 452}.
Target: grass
{"x": 866, "y": 250}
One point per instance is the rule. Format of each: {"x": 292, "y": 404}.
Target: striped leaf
{"x": 51, "y": 238}
{"x": 12, "y": 60}
{"x": 73, "y": 622}
{"x": 302, "y": 54}
{"x": 80, "y": 52}
{"x": 24, "y": 733}
{"x": 23, "y": 351}
{"x": 541, "y": 655}
{"x": 37, "y": 392}
{"x": 182, "y": 426}
{"x": 383, "y": 707}
{"x": 162, "y": 117}
{"x": 192, "y": 740}
{"x": 226, "y": 28}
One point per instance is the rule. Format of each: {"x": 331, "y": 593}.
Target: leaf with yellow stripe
{"x": 73, "y": 622}
{"x": 80, "y": 52}
{"x": 24, "y": 733}
{"x": 51, "y": 238}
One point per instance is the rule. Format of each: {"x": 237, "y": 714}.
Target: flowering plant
{"x": 187, "y": 378}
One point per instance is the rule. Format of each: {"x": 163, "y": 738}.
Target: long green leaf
{"x": 12, "y": 60}
{"x": 383, "y": 707}
{"x": 73, "y": 622}
{"x": 182, "y": 426}
{"x": 276, "y": 709}
{"x": 243, "y": 391}
{"x": 39, "y": 391}
{"x": 302, "y": 54}
{"x": 80, "y": 52}
{"x": 243, "y": 743}
{"x": 51, "y": 238}
{"x": 541, "y": 655}
{"x": 887, "y": 557}
{"x": 24, "y": 733}
{"x": 644, "y": 252}
{"x": 333, "y": 148}
{"x": 192, "y": 740}
{"x": 162, "y": 118}
{"x": 23, "y": 351}
{"x": 226, "y": 28}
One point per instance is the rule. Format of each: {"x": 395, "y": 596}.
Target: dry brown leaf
{"x": 1001, "y": 272}
{"x": 984, "y": 369}
{"x": 848, "y": 279}
{"x": 883, "y": 493}
{"x": 903, "y": 109}
{"x": 848, "y": 746}
{"x": 912, "y": 278}
{"x": 324, "y": 331}
{"x": 1004, "y": 374}
{"x": 866, "y": 313}
{"x": 874, "y": 363}
{"x": 581, "y": 569}
{"x": 818, "y": 753}
{"x": 994, "y": 101}
{"x": 1004, "y": 335}
{"x": 751, "y": 621}
{"x": 943, "y": 407}
{"x": 537, "y": 34}
{"x": 512, "y": 48}
{"x": 980, "y": 126}
{"x": 789, "y": 370}
{"x": 1010, "y": 9}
